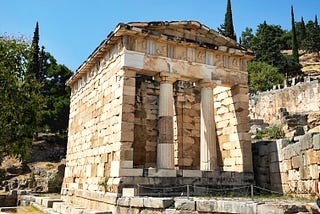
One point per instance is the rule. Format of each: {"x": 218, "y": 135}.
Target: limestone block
{"x": 236, "y": 153}
{"x": 227, "y": 101}
{"x": 306, "y": 141}
{"x": 136, "y": 202}
{"x": 311, "y": 157}
{"x": 184, "y": 204}
{"x": 314, "y": 171}
{"x": 293, "y": 175}
{"x": 157, "y": 203}
{"x": 228, "y": 146}
{"x": 283, "y": 166}
{"x": 239, "y": 161}
{"x": 316, "y": 142}
{"x": 297, "y": 162}
{"x": 88, "y": 170}
{"x": 192, "y": 173}
{"x": 48, "y": 202}
{"x": 162, "y": 172}
{"x": 222, "y": 110}
{"x": 38, "y": 200}
{"x": 289, "y": 163}
{"x": 229, "y": 161}
{"x": 130, "y": 172}
{"x": 304, "y": 172}
{"x": 128, "y": 192}
{"x": 268, "y": 209}
{"x": 209, "y": 206}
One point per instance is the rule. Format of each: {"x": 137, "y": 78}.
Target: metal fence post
{"x": 188, "y": 191}
{"x": 251, "y": 187}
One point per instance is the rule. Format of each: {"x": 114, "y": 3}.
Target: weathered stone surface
{"x": 206, "y": 205}
{"x": 184, "y": 204}
{"x": 157, "y": 202}
{"x": 316, "y": 141}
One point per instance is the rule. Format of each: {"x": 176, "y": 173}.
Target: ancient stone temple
{"x": 158, "y": 104}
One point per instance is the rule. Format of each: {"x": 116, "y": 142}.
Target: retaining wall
{"x": 290, "y": 168}
{"x": 301, "y": 98}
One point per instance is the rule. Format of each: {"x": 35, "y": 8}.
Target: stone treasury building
{"x": 158, "y": 104}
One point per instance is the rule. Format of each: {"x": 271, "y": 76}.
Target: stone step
{"x": 8, "y": 209}
{"x": 48, "y": 202}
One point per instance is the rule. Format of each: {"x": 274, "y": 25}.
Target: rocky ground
{"x": 42, "y": 172}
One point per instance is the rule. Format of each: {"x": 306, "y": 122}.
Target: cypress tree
{"x": 34, "y": 64}
{"x": 302, "y": 34}
{"x": 303, "y": 28}
{"x": 295, "y": 51}
{"x": 227, "y": 28}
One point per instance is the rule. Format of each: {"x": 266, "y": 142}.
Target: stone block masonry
{"x": 289, "y": 168}
{"x": 153, "y": 100}
{"x": 301, "y": 98}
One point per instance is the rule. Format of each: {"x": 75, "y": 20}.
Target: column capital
{"x": 206, "y": 83}
{"x": 166, "y": 77}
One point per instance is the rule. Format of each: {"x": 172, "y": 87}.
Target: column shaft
{"x": 165, "y": 151}
{"x": 208, "y": 142}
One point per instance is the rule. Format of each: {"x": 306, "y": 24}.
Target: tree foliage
{"x": 263, "y": 76}
{"x": 18, "y": 103}
{"x": 268, "y": 43}
{"x": 312, "y": 41}
{"x": 55, "y": 113}
{"x": 227, "y": 29}
{"x": 246, "y": 36}
{"x": 33, "y": 95}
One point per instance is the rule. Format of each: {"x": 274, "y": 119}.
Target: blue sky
{"x": 71, "y": 29}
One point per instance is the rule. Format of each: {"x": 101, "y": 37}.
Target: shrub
{"x": 263, "y": 76}
{"x": 274, "y": 132}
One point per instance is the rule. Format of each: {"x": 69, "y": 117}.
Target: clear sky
{"x": 71, "y": 29}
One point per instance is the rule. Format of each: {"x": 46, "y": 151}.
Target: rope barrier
{"x": 268, "y": 190}
{"x": 193, "y": 190}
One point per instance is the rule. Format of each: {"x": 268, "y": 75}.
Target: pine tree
{"x": 227, "y": 29}
{"x": 295, "y": 51}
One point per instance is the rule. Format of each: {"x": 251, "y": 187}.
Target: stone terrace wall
{"x": 288, "y": 167}
{"x": 301, "y": 98}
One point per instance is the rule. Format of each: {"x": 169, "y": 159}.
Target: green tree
{"x": 227, "y": 29}
{"x": 301, "y": 33}
{"x": 55, "y": 113}
{"x": 34, "y": 64}
{"x": 246, "y": 36}
{"x": 268, "y": 43}
{"x": 17, "y": 106}
{"x": 312, "y": 43}
{"x": 295, "y": 49}
{"x": 263, "y": 76}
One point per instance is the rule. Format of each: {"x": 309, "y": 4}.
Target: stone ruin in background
{"x": 158, "y": 104}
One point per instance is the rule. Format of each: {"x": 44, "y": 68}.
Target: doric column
{"x": 208, "y": 138}
{"x": 165, "y": 151}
